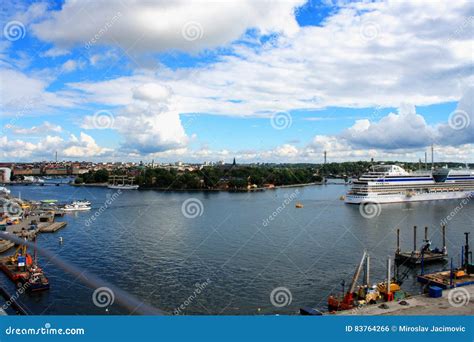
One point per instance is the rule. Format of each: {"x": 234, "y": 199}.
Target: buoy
{"x": 299, "y": 205}
{"x": 342, "y": 198}
{"x": 61, "y": 239}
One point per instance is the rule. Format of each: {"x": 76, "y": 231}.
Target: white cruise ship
{"x": 391, "y": 184}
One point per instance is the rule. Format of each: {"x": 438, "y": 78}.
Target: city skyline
{"x": 278, "y": 82}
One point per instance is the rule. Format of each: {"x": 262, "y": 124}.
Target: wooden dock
{"x": 5, "y": 245}
{"x": 417, "y": 258}
{"x": 51, "y": 228}
{"x": 446, "y": 279}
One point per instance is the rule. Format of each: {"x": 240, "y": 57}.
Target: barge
{"x": 22, "y": 269}
{"x": 455, "y": 277}
{"x": 423, "y": 256}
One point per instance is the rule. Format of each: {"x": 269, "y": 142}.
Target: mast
{"x": 367, "y": 270}
{"x": 432, "y": 156}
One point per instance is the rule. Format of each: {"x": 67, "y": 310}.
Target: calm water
{"x": 145, "y": 245}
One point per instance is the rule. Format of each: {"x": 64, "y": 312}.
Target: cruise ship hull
{"x": 416, "y": 197}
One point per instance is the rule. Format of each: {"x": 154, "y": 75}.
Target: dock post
{"x": 414, "y": 238}
{"x": 451, "y": 275}
{"x": 398, "y": 240}
{"x": 445, "y": 250}
{"x": 389, "y": 265}
{"x": 466, "y": 251}
{"x": 422, "y": 263}
{"x": 426, "y": 233}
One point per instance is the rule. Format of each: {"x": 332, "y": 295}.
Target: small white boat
{"x": 123, "y": 186}
{"x": 76, "y": 207}
{"x": 82, "y": 202}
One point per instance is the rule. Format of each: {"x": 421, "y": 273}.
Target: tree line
{"x": 212, "y": 177}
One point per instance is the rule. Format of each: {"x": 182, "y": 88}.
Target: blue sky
{"x": 261, "y": 81}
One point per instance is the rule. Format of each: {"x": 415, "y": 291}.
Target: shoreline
{"x": 104, "y": 185}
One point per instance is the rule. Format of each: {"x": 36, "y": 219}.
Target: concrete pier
{"x": 423, "y": 305}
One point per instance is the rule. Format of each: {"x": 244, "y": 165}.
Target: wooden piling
{"x": 398, "y": 240}
{"x": 444, "y": 236}
{"x": 414, "y": 238}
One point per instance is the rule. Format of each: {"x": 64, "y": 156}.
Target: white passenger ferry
{"x": 391, "y": 184}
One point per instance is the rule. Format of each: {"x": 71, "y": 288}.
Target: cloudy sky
{"x": 262, "y": 81}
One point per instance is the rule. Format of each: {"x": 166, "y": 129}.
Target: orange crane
{"x": 347, "y": 302}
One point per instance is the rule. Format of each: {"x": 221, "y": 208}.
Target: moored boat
{"x": 122, "y": 183}
{"x": 22, "y": 269}
{"x": 77, "y": 206}
{"x": 123, "y": 186}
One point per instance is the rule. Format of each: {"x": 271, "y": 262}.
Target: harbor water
{"x": 224, "y": 253}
